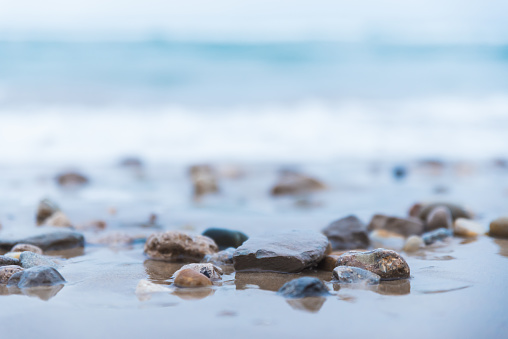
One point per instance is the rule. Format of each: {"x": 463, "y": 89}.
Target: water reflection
{"x": 309, "y": 304}
{"x": 392, "y": 287}
{"x": 503, "y": 246}
{"x": 42, "y": 292}
{"x": 193, "y": 293}
{"x": 271, "y": 281}
{"x": 159, "y": 271}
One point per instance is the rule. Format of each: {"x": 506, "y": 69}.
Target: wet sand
{"x": 457, "y": 287}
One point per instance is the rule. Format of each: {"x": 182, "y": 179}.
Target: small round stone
{"x": 7, "y": 271}
{"x": 439, "y": 217}
{"x": 210, "y": 270}
{"x": 350, "y": 275}
{"x": 27, "y": 248}
{"x": 190, "y": 278}
{"x": 225, "y": 238}
{"x": 304, "y": 287}
{"x": 389, "y": 265}
{"x": 499, "y": 228}
{"x": 413, "y": 244}
{"x": 176, "y": 245}
{"x": 13, "y": 255}
{"x": 467, "y": 228}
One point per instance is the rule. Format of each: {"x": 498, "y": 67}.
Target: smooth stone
{"x": 13, "y": 255}
{"x": 36, "y": 276}
{"x": 467, "y": 228}
{"x": 26, "y": 247}
{"x": 191, "y": 278}
{"x": 8, "y": 261}
{"x": 71, "y": 179}
{"x": 413, "y": 244}
{"x": 209, "y": 270}
{"x": 347, "y": 233}
{"x": 293, "y": 183}
{"x": 52, "y": 241}
{"x": 415, "y": 209}
{"x": 389, "y": 265}
{"x": 226, "y": 238}
{"x": 328, "y": 263}
{"x": 224, "y": 257}
{"x": 45, "y": 209}
{"x": 281, "y": 252}
{"x": 435, "y": 235}
{"x": 58, "y": 219}
{"x": 145, "y": 287}
{"x": 456, "y": 210}
{"x": 304, "y": 287}
{"x": 176, "y": 245}
{"x": 439, "y": 217}
{"x": 30, "y": 259}
{"x": 7, "y": 271}
{"x": 386, "y": 239}
{"x": 499, "y": 228}
{"x": 204, "y": 180}
{"x": 350, "y": 275}
{"x": 405, "y": 227}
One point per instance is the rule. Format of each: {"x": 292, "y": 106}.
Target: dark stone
{"x": 349, "y": 275}
{"x": 405, "y": 227}
{"x": 281, "y": 252}
{"x": 59, "y": 240}
{"x": 499, "y": 228}
{"x": 439, "y": 217}
{"x": 435, "y": 235}
{"x": 347, "y": 233}
{"x": 456, "y": 210}
{"x": 36, "y": 276}
{"x": 389, "y": 265}
{"x": 6, "y": 261}
{"x": 226, "y": 238}
{"x": 71, "y": 179}
{"x": 304, "y": 287}
{"x": 293, "y": 183}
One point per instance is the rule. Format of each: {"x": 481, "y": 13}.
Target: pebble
{"x": 405, "y": 227}
{"x": 58, "y": 219}
{"x": 71, "y": 179}
{"x": 145, "y": 287}
{"x": 293, "y": 183}
{"x": 435, "y": 235}
{"x": 226, "y": 238}
{"x": 413, "y": 244}
{"x": 30, "y": 259}
{"x": 304, "y": 287}
{"x": 281, "y": 252}
{"x": 176, "y": 245}
{"x": 224, "y": 257}
{"x": 209, "y": 270}
{"x": 7, "y": 271}
{"x": 204, "y": 180}
{"x": 456, "y": 210}
{"x": 347, "y": 233}
{"x": 59, "y": 240}
{"x": 386, "y": 239}
{"x": 499, "y": 228}
{"x": 415, "y": 209}
{"x": 467, "y": 228}
{"x": 26, "y": 247}
{"x": 36, "y": 276}
{"x": 350, "y": 275}
{"x": 191, "y": 278}
{"x": 439, "y": 217}
{"x": 389, "y": 265}
{"x": 7, "y": 261}
{"x": 13, "y": 255}
{"x": 45, "y": 209}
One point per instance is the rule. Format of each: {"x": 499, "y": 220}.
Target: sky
{"x": 409, "y": 21}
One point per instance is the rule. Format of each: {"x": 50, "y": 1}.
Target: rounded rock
{"x": 347, "y": 233}
{"x": 224, "y": 257}
{"x": 225, "y": 238}
{"x": 7, "y": 261}
{"x": 456, "y": 210}
{"x": 405, "y": 227}
{"x": 26, "y": 248}
{"x": 413, "y": 244}
{"x": 45, "y": 210}
{"x": 58, "y": 219}
{"x": 191, "y": 278}
{"x": 439, "y": 217}
{"x": 209, "y": 270}
{"x": 499, "y": 228}
{"x": 467, "y": 228}
{"x": 7, "y": 271}
{"x": 36, "y": 276}
{"x": 435, "y": 235}
{"x": 350, "y": 275}
{"x": 176, "y": 245}
{"x": 30, "y": 259}
{"x": 389, "y": 265}
{"x": 304, "y": 287}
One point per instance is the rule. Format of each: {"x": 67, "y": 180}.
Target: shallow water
{"x": 457, "y": 288}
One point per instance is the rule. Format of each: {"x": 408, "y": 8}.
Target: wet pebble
{"x": 439, "y": 217}
{"x": 349, "y": 275}
{"x": 405, "y": 227}
{"x": 191, "y": 278}
{"x": 499, "y": 228}
{"x": 387, "y": 264}
{"x": 13, "y": 255}
{"x": 386, "y": 239}
{"x": 71, "y": 179}
{"x": 281, "y": 252}
{"x": 45, "y": 210}
{"x": 304, "y": 287}
{"x": 209, "y": 270}
{"x": 294, "y": 183}
{"x": 413, "y": 244}
{"x": 7, "y": 271}
{"x": 455, "y": 210}
{"x": 225, "y": 238}
{"x": 436, "y": 235}
{"x": 224, "y": 257}
{"x": 36, "y": 276}
{"x": 26, "y": 247}
{"x": 467, "y": 228}
{"x": 58, "y": 219}
{"x": 176, "y": 245}
{"x": 347, "y": 233}
{"x": 204, "y": 180}
{"x": 30, "y": 259}
{"x": 59, "y": 240}
{"x": 7, "y": 261}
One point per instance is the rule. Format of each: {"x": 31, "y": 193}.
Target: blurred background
{"x": 87, "y": 81}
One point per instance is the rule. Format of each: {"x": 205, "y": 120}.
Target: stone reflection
{"x": 503, "y": 246}
{"x": 272, "y": 281}
{"x": 42, "y": 292}
{"x": 67, "y": 254}
{"x": 309, "y": 304}
{"x": 193, "y": 293}
{"x": 394, "y": 287}
{"x": 159, "y": 271}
